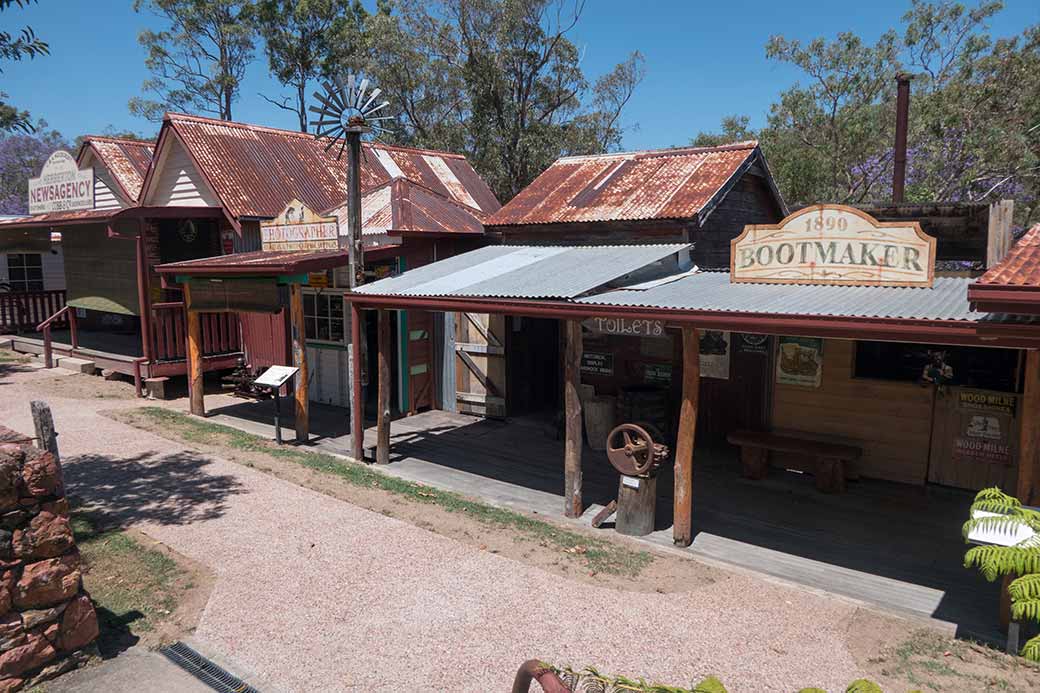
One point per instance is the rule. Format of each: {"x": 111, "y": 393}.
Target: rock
{"x": 56, "y": 507}
{"x": 6, "y": 590}
{"x": 34, "y": 653}
{"x": 10, "y": 625}
{"x": 15, "y": 518}
{"x": 36, "y": 617}
{"x": 47, "y": 536}
{"x": 48, "y": 582}
{"x": 79, "y": 624}
{"x": 50, "y": 671}
{"x": 11, "y": 684}
{"x": 42, "y": 474}
{"x": 51, "y": 632}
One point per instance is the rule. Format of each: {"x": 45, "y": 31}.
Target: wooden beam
{"x": 43, "y": 422}
{"x": 195, "y": 384}
{"x": 998, "y": 236}
{"x": 299, "y": 353}
{"x": 383, "y": 416}
{"x": 357, "y": 408}
{"x": 572, "y": 418}
{"x": 1028, "y": 489}
{"x": 682, "y": 528}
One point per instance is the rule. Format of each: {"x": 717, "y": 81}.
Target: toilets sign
{"x": 833, "y": 244}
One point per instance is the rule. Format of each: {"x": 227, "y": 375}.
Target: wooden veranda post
{"x": 572, "y": 420}
{"x": 299, "y": 352}
{"x": 357, "y": 407}
{"x": 682, "y": 527}
{"x": 1028, "y": 490}
{"x": 195, "y": 393}
{"x": 383, "y": 420}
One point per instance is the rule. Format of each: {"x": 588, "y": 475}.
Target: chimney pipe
{"x": 902, "y": 116}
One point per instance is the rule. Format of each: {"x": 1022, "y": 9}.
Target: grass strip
{"x": 599, "y": 555}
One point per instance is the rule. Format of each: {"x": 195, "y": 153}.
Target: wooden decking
{"x": 895, "y": 546}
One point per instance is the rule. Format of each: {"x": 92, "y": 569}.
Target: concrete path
{"x": 136, "y": 669}
{"x": 312, "y": 593}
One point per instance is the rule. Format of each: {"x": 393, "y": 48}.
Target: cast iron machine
{"x": 633, "y": 451}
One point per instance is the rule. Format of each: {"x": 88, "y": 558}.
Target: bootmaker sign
{"x": 834, "y": 244}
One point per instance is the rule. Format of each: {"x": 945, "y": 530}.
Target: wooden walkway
{"x": 895, "y": 546}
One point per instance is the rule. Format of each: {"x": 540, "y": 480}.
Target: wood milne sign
{"x": 298, "y": 227}
{"x": 833, "y": 244}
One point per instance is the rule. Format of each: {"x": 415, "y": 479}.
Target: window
{"x": 981, "y": 367}
{"x": 25, "y": 271}
{"x": 323, "y": 315}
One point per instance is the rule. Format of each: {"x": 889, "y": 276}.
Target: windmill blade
{"x": 371, "y": 97}
{"x": 382, "y": 105}
{"x": 333, "y": 93}
{"x": 330, "y": 145}
{"x": 369, "y": 120}
{"x": 361, "y": 91}
{"x": 323, "y": 123}
{"x": 341, "y": 146}
{"x": 350, "y": 90}
{"x": 332, "y": 108}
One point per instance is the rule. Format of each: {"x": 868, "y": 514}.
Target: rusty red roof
{"x": 259, "y": 263}
{"x": 659, "y": 184}
{"x": 1012, "y": 285}
{"x": 127, "y": 160}
{"x": 79, "y": 216}
{"x": 401, "y": 206}
{"x": 256, "y": 171}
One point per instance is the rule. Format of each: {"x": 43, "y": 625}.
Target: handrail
{"x": 45, "y": 327}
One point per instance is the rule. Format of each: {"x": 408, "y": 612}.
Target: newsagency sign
{"x": 299, "y": 228}
{"x": 62, "y": 186}
{"x": 834, "y": 244}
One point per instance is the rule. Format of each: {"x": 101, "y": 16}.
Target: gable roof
{"x": 402, "y": 207}
{"x": 126, "y": 160}
{"x": 681, "y": 183}
{"x": 1013, "y": 284}
{"x": 255, "y": 171}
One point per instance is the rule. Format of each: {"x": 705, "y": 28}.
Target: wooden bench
{"x": 830, "y": 459}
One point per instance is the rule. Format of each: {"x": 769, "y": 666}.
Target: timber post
{"x": 357, "y": 407}
{"x": 195, "y": 384}
{"x": 383, "y": 416}
{"x": 572, "y": 420}
{"x": 43, "y": 422}
{"x": 682, "y": 524}
{"x": 1028, "y": 487}
{"x": 299, "y": 353}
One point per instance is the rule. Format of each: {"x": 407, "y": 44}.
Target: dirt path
{"x": 314, "y": 593}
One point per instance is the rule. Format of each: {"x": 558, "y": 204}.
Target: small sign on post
{"x": 273, "y": 378}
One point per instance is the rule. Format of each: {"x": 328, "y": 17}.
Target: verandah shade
{"x": 100, "y": 272}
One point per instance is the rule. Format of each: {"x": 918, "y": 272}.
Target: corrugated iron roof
{"x": 401, "y": 206}
{"x": 524, "y": 271}
{"x": 1020, "y": 267}
{"x": 259, "y": 262}
{"x": 256, "y": 170}
{"x": 661, "y": 184}
{"x": 947, "y": 299}
{"x": 127, "y": 161}
{"x": 79, "y": 216}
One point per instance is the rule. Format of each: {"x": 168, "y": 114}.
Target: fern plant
{"x": 1021, "y": 559}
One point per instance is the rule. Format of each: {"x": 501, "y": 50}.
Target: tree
{"x": 299, "y": 35}
{"x": 17, "y": 47}
{"x": 1005, "y": 514}
{"x": 21, "y": 157}
{"x": 198, "y": 63}
{"x": 497, "y": 79}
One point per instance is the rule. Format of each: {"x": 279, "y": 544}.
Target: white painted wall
{"x": 105, "y": 196}
{"x": 179, "y": 183}
{"x": 53, "y": 269}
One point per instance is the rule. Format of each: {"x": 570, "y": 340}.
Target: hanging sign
{"x": 657, "y": 373}
{"x": 833, "y": 244}
{"x": 752, "y": 343}
{"x": 985, "y": 427}
{"x": 62, "y": 186}
{"x": 715, "y": 348}
{"x": 626, "y": 327}
{"x": 299, "y": 228}
{"x": 595, "y": 363}
{"x": 800, "y": 361}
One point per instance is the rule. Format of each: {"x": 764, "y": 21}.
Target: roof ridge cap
{"x": 663, "y": 152}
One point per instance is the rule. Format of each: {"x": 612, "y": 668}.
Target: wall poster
{"x": 595, "y": 363}
{"x": 715, "y": 348}
{"x": 747, "y": 343}
{"x": 800, "y": 361}
{"x": 984, "y": 426}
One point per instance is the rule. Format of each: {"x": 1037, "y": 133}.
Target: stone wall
{"x": 47, "y": 621}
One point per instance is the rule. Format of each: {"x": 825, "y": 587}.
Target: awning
{"x": 258, "y": 263}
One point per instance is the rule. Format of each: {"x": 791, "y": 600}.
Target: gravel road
{"x": 313, "y": 593}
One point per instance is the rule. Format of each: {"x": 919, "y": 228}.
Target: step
{"x": 6, "y": 343}
{"x": 75, "y": 364}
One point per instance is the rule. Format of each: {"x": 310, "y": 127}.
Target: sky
{"x": 704, "y": 60}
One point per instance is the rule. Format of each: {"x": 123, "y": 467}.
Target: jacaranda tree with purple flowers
{"x": 22, "y": 157}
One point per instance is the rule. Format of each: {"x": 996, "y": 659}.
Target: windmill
{"x": 347, "y": 112}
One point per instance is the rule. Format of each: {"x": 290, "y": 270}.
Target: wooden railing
{"x": 66, "y": 314}
{"x": 220, "y": 332}
{"x": 23, "y": 311}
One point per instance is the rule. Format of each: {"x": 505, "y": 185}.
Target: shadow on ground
{"x": 116, "y": 636}
{"x": 172, "y": 489}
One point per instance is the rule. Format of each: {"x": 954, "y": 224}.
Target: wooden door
{"x": 480, "y": 364}
{"x": 975, "y": 439}
{"x": 420, "y": 361}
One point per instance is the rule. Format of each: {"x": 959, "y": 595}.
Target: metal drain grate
{"x": 204, "y": 670}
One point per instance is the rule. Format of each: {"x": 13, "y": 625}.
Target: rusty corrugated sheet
{"x": 1021, "y": 266}
{"x": 256, "y": 170}
{"x": 403, "y": 206}
{"x": 79, "y": 216}
{"x": 662, "y": 184}
{"x": 260, "y": 262}
{"x": 126, "y": 160}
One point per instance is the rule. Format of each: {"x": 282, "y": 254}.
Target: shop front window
{"x": 25, "y": 272}
{"x": 324, "y": 317}
{"x": 978, "y": 367}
